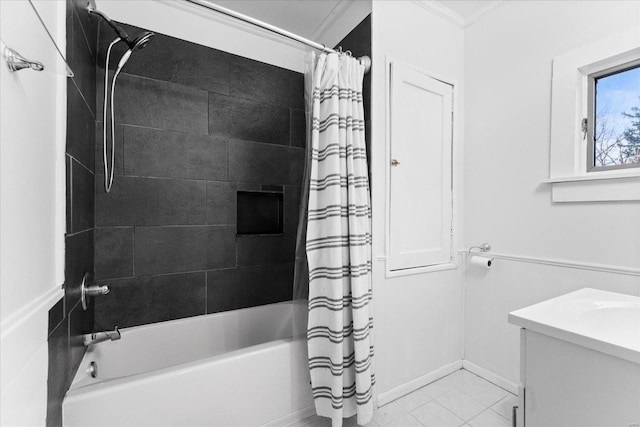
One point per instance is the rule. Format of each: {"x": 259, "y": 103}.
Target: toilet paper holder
{"x": 485, "y": 247}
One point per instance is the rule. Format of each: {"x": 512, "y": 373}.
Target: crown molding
{"x": 438, "y": 8}
{"x": 326, "y": 24}
{"x": 474, "y": 17}
{"x": 441, "y": 10}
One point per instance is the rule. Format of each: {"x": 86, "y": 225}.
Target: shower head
{"x": 139, "y": 42}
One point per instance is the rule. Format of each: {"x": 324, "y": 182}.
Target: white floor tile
{"x": 461, "y": 404}
{"x": 415, "y": 399}
{"x": 353, "y": 422}
{"x": 484, "y": 392}
{"x": 442, "y": 386}
{"x": 434, "y": 415}
{"x": 389, "y": 412}
{"x": 406, "y": 420}
{"x": 489, "y": 418}
{"x": 505, "y": 406}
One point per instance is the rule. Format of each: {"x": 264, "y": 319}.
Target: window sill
{"x": 595, "y": 188}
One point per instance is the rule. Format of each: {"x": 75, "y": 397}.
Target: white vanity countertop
{"x": 603, "y": 321}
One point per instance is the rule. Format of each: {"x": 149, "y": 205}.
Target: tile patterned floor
{"x": 459, "y": 399}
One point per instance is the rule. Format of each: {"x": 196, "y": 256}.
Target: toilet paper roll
{"x": 481, "y": 261}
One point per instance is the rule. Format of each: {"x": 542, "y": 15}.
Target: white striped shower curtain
{"x": 338, "y": 245}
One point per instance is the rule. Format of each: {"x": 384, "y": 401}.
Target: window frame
{"x": 569, "y": 180}
{"x": 591, "y": 114}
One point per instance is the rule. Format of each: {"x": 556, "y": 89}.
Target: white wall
{"x": 418, "y": 318}
{"x": 508, "y": 57}
{"x": 32, "y": 204}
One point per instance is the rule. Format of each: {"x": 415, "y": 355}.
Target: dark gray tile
{"x": 221, "y": 203}
{"x": 56, "y": 315}
{"x": 248, "y": 186}
{"x": 161, "y": 153}
{"x": 57, "y": 373}
{"x": 82, "y": 198}
{"x": 298, "y": 129}
{"x": 221, "y": 247}
{"x": 145, "y": 300}
{"x": 151, "y": 103}
{"x": 174, "y": 60}
{"x": 161, "y": 250}
{"x": 248, "y": 287}
{"x": 80, "y": 323}
{"x": 78, "y": 260}
{"x": 151, "y": 201}
{"x": 276, "y": 188}
{"x": 248, "y": 120}
{"x": 80, "y": 128}
{"x": 114, "y": 252}
{"x": 291, "y": 206}
{"x": 118, "y": 159}
{"x": 259, "y": 81}
{"x": 89, "y": 24}
{"x": 81, "y": 60}
{"x": 265, "y": 163}
{"x": 265, "y": 249}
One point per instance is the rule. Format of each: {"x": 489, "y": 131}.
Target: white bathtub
{"x": 238, "y": 368}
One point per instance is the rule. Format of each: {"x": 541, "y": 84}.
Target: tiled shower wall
{"x": 194, "y": 125}
{"x": 67, "y": 320}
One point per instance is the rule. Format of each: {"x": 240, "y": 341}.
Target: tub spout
{"x": 96, "y": 337}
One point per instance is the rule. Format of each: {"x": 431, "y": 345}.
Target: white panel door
{"x": 420, "y": 196}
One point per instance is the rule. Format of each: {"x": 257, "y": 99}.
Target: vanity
{"x": 580, "y": 361}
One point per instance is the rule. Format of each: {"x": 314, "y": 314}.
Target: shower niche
{"x": 259, "y": 213}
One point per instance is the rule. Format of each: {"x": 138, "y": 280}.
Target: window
{"x": 613, "y": 122}
{"x": 595, "y": 97}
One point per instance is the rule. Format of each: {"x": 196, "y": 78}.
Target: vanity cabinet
{"x": 580, "y": 361}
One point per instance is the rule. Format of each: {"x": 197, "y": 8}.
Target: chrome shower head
{"x": 141, "y": 41}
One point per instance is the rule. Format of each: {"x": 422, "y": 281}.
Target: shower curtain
{"x": 338, "y": 245}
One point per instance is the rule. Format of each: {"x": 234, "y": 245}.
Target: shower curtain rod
{"x": 364, "y": 60}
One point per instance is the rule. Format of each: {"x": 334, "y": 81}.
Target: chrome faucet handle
{"x": 87, "y": 291}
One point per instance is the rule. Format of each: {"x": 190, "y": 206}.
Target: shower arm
{"x": 118, "y": 29}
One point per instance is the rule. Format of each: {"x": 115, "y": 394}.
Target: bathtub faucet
{"x": 96, "y": 337}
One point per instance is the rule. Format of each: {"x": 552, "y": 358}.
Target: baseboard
{"x": 490, "y": 376}
{"x": 413, "y": 385}
{"x": 294, "y": 417}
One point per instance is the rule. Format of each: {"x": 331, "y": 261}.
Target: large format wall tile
{"x": 81, "y": 59}
{"x": 263, "y": 82}
{"x": 221, "y": 203}
{"x": 298, "y": 129}
{"x": 161, "y": 250}
{"x": 172, "y": 60}
{"x": 265, "y": 163}
{"x": 57, "y": 373}
{"x": 118, "y": 157}
{"x": 113, "y": 252}
{"x": 153, "y": 103}
{"x": 151, "y": 201}
{"x": 82, "y": 201}
{"x": 152, "y": 299}
{"x": 151, "y": 152}
{"x": 248, "y": 120}
{"x": 263, "y": 249}
{"x": 78, "y": 260}
{"x": 248, "y": 287}
{"x": 80, "y": 128}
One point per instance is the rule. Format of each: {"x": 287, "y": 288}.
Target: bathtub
{"x": 238, "y": 368}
